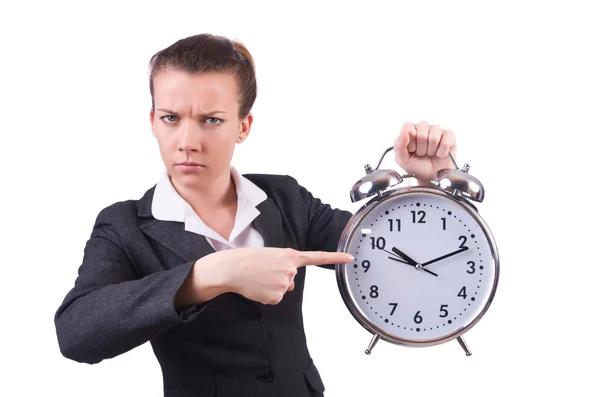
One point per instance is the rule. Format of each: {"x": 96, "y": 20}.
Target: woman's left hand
{"x": 422, "y": 149}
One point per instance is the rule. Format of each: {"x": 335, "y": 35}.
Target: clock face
{"x": 424, "y": 268}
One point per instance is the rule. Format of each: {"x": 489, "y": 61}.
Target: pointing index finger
{"x": 308, "y": 258}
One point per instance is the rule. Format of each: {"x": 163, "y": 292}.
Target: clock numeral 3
{"x": 395, "y": 305}
{"x": 418, "y": 213}
{"x": 374, "y": 291}
{"x": 471, "y": 267}
{"x": 443, "y": 310}
{"x": 379, "y": 243}
{"x": 418, "y": 319}
{"x": 463, "y": 293}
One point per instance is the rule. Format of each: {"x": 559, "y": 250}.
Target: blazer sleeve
{"x": 110, "y": 310}
{"x": 325, "y": 224}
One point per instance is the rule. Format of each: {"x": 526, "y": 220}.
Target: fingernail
{"x": 350, "y": 258}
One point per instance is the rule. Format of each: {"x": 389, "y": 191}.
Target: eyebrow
{"x": 177, "y": 114}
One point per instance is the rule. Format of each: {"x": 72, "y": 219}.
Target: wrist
{"x": 209, "y": 279}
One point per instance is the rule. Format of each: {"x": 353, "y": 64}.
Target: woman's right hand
{"x": 261, "y": 274}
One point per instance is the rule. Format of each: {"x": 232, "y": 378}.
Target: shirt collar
{"x": 168, "y": 205}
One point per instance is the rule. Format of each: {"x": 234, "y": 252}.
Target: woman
{"x": 209, "y": 264}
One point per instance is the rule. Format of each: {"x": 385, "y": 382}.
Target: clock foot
{"x": 463, "y": 344}
{"x": 372, "y": 344}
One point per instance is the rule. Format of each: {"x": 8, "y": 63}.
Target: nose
{"x": 189, "y": 140}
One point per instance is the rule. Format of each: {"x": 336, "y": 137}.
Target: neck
{"x": 221, "y": 192}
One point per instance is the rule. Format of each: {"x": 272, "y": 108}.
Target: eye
{"x": 170, "y": 121}
{"x": 214, "y": 121}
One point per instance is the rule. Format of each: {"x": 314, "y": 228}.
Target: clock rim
{"x": 349, "y": 231}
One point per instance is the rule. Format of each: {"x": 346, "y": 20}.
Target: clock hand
{"x": 399, "y": 260}
{"x": 458, "y": 251}
{"x": 407, "y": 258}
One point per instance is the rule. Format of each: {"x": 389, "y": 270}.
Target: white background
{"x": 518, "y": 81}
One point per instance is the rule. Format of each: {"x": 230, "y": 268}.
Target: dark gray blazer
{"x": 133, "y": 266}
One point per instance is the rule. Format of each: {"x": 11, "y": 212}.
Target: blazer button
{"x": 254, "y": 313}
{"x": 266, "y": 377}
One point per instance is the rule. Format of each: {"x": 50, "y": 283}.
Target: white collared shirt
{"x": 168, "y": 205}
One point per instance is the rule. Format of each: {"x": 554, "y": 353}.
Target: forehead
{"x": 195, "y": 92}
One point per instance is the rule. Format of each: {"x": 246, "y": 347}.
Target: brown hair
{"x": 210, "y": 53}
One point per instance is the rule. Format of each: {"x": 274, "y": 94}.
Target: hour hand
{"x": 404, "y": 256}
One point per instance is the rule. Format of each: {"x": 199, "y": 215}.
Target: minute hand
{"x": 458, "y": 251}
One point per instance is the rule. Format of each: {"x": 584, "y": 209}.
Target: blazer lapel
{"x": 172, "y": 235}
{"x": 191, "y": 246}
{"x": 188, "y": 245}
{"x": 268, "y": 223}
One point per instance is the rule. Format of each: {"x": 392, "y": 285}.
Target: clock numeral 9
{"x": 379, "y": 243}
{"x": 395, "y": 305}
{"x": 391, "y": 221}
{"x": 366, "y": 265}
{"x": 418, "y": 319}
{"x": 421, "y": 214}
{"x": 443, "y": 310}
{"x": 374, "y": 291}
{"x": 463, "y": 293}
{"x": 471, "y": 267}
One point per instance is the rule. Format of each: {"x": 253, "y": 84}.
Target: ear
{"x": 245, "y": 125}
{"x": 152, "y": 122}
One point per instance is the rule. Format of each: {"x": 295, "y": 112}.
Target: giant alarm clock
{"x": 426, "y": 264}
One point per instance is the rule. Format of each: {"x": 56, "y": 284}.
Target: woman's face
{"x": 195, "y": 120}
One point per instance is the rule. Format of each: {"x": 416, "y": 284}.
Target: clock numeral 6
{"x": 443, "y": 310}
{"x": 379, "y": 243}
{"x": 418, "y": 319}
{"x": 471, "y": 267}
{"x": 374, "y": 291}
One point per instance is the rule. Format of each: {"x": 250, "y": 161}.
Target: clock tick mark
{"x": 473, "y": 299}
{"x": 450, "y": 213}
{"x": 418, "y": 329}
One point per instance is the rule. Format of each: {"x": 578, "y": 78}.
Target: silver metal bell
{"x": 460, "y": 182}
{"x": 376, "y": 181}
{"x": 456, "y": 181}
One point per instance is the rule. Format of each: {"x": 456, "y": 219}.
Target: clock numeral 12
{"x": 421, "y": 214}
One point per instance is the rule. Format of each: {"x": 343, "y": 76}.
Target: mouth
{"x": 189, "y": 166}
